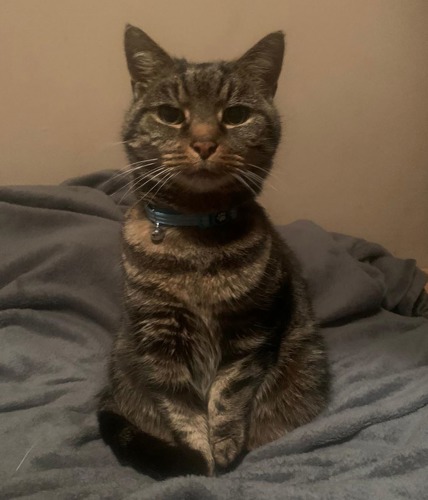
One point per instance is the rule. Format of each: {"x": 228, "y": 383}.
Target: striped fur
{"x": 218, "y": 352}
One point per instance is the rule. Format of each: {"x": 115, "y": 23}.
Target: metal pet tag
{"x": 158, "y": 234}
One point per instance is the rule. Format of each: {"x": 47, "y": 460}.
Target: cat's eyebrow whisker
{"x": 117, "y": 143}
{"x": 108, "y": 145}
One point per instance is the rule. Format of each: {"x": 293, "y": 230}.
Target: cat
{"x": 218, "y": 352}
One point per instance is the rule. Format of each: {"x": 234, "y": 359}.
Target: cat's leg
{"x": 168, "y": 345}
{"x": 148, "y": 444}
{"x": 230, "y": 401}
{"x": 153, "y": 380}
{"x": 294, "y": 390}
{"x": 188, "y": 420}
{"x": 146, "y": 453}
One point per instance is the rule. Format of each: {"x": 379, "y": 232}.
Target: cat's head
{"x": 201, "y": 136}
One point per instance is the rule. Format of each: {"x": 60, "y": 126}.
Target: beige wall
{"x": 354, "y": 95}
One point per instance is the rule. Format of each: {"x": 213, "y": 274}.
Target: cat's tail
{"x": 146, "y": 453}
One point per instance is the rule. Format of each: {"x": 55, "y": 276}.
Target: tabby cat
{"x": 218, "y": 352}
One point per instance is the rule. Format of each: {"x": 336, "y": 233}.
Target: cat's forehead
{"x": 205, "y": 80}
{"x": 208, "y": 82}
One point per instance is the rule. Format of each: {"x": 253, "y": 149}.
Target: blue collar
{"x": 161, "y": 217}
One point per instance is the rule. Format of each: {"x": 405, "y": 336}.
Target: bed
{"x": 60, "y": 305}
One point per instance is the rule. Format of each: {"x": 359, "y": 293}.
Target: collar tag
{"x": 158, "y": 234}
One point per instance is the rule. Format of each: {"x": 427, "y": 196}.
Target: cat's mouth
{"x": 225, "y": 171}
{"x": 205, "y": 168}
{"x": 205, "y": 176}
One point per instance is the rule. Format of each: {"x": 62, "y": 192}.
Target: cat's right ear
{"x": 146, "y": 60}
{"x": 263, "y": 62}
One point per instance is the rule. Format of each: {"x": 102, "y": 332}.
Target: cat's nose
{"x": 204, "y": 148}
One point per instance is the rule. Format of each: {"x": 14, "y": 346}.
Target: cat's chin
{"x": 203, "y": 181}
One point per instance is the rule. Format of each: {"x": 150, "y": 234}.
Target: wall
{"x": 354, "y": 96}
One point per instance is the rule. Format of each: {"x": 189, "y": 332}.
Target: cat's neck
{"x": 199, "y": 203}
{"x": 169, "y": 217}
{"x": 250, "y": 216}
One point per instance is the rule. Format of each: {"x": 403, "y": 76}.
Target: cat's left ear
{"x": 146, "y": 59}
{"x": 263, "y": 62}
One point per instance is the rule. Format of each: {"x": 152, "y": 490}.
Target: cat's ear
{"x": 263, "y": 62}
{"x": 145, "y": 58}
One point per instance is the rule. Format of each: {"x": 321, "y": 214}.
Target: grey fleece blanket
{"x": 60, "y": 305}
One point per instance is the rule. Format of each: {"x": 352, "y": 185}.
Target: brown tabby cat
{"x": 218, "y": 353}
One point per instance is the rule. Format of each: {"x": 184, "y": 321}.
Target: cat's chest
{"x": 206, "y": 279}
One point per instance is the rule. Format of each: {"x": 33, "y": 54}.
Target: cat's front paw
{"x": 227, "y": 451}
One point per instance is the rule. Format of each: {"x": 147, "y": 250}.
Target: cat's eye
{"x": 236, "y": 115}
{"x": 170, "y": 114}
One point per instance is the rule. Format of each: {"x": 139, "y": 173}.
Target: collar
{"x": 162, "y": 217}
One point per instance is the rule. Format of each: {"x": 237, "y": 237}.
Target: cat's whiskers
{"x": 136, "y": 184}
{"x": 142, "y": 177}
{"x": 123, "y": 186}
{"x": 142, "y": 161}
{"x": 139, "y": 164}
{"x": 258, "y": 179}
{"x": 243, "y": 182}
{"x": 168, "y": 179}
{"x": 270, "y": 173}
{"x": 129, "y": 171}
{"x": 233, "y": 156}
{"x": 254, "y": 180}
{"x": 145, "y": 179}
{"x": 168, "y": 176}
{"x": 128, "y": 191}
{"x": 175, "y": 159}
{"x": 227, "y": 159}
{"x": 122, "y": 176}
{"x": 229, "y": 163}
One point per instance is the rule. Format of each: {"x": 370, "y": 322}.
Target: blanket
{"x": 60, "y": 305}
